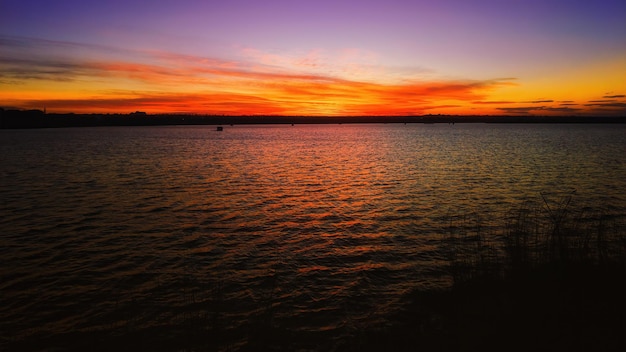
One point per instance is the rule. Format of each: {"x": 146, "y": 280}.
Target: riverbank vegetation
{"x": 554, "y": 280}
{"x": 546, "y": 276}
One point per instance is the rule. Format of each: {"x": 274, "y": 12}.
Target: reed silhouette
{"x": 553, "y": 280}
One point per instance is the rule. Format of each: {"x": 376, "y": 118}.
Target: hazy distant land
{"x": 10, "y": 119}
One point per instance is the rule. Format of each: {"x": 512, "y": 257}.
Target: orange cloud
{"x": 166, "y": 82}
{"x": 285, "y": 96}
{"x": 161, "y": 82}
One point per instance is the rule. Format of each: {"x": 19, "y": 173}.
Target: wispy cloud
{"x": 519, "y": 109}
{"x": 615, "y": 104}
{"x": 347, "y": 63}
{"x": 256, "y": 83}
{"x": 496, "y": 102}
{"x": 540, "y": 101}
{"x": 272, "y": 84}
{"x": 602, "y": 101}
{"x": 17, "y": 70}
{"x": 329, "y": 97}
{"x": 540, "y": 110}
{"x": 160, "y": 102}
{"x": 563, "y": 110}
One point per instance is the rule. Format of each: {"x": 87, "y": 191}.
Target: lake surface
{"x": 319, "y": 230}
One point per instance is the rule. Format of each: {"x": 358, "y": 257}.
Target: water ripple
{"x": 321, "y": 228}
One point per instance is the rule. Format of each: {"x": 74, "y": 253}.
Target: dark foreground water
{"x": 318, "y": 231}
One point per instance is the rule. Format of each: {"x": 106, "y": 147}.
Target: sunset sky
{"x": 295, "y": 57}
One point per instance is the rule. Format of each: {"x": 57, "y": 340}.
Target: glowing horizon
{"x": 365, "y": 58}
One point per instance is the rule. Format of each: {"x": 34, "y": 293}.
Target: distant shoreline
{"x": 20, "y": 119}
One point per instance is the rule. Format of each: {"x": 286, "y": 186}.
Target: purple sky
{"x": 535, "y": 44}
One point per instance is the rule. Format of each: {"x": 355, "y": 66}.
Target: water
{"x": 315, "y": 230}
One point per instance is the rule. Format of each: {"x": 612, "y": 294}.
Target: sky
{"x": 338, "y": 57}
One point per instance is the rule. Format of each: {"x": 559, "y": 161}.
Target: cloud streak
{"x": 117, "y": 80}
{"x": 168, "y": 82}
{"x": 289, "y": 98}
{"x": 17, "y": 70}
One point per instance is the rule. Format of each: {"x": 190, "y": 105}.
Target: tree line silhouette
{"x": 17, "y": 119}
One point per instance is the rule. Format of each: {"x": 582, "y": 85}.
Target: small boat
{"x": 219, "y": 128}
